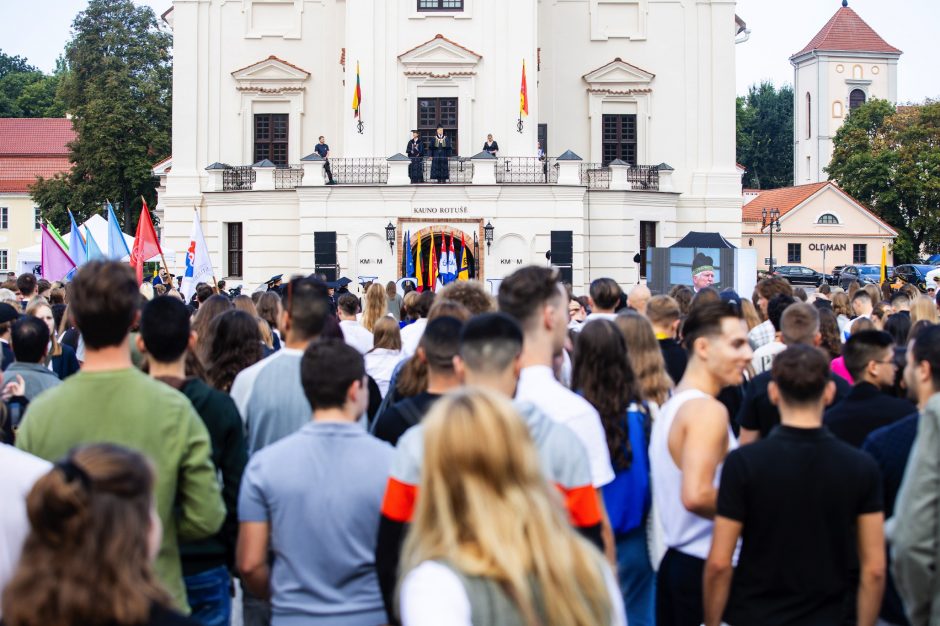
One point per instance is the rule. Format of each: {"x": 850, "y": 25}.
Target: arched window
{"x": 857, "y": 72}
{"x": 827, "y": 218}
{"x": 836, "y": 109}
{"x": 809, "y": 115}
{"x": 856, "y": 99}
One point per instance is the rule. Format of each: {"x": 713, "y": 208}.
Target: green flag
{"x": 58, "y": 237}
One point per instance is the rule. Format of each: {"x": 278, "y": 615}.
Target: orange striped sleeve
{"x": 399, "y": 502}
{"x": 582, "y": 504}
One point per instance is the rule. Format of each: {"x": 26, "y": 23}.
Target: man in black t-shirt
{"x": 799, "y": 324}
{"x": 663, "y": 313}
{"x": 796, "y": 500}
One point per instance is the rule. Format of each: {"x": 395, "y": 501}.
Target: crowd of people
{"x": 304, "y": 455}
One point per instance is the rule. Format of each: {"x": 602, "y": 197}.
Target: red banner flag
{"x": 146, "y": 244}
{"x": 523, "y": 95}
{"x": 432, "y": 270}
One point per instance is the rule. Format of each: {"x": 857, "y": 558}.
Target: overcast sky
{"x": 38, "y": 30}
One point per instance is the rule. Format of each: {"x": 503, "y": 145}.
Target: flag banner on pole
{"x": 58, "y": 236}
{"x": 419, "y": 272}
{"x": 77, "y": 248}
{"x": 464, "y": 273}
{"x": 409, "y": 259}
{"x": 146, "y": 245}
{"x": 442, "y": 263}
{"x": 523, "y": 95}
{"x": 198, "y": 265}
{"x": 117, "y": 245}
{"x": 56, "y": 262}
{"x": 884, "y": 263}
{"x": 432, "y": 267}
{"x": 357, "y": 94}
{"x": 94, "y": 250}
{"x": 451, "y": 274}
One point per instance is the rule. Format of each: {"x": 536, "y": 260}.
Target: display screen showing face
{"x": 697, "y": 268}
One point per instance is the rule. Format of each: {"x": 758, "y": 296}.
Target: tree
{"x": 117, "y": 87}
{"x": 14, "y": 64}
{"x": 765, "y": 136}
{"x": 888, "y": 159}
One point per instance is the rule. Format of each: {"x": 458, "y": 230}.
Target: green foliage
{"x": 889, "y": 160}
{"x": 27, "y": 92}
{"x": 14, "y": 64}
{"x": 765, "y": 136}
{"x": 117, "y": 86}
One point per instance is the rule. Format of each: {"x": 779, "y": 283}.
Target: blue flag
{"x": 409, "y": 258}
{"x": 94, "y": 252}
{"x": 77, "y": 248}
{"x": 117, "y": 246}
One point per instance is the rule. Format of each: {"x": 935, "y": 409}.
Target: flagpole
{"x": 214, "y": 283}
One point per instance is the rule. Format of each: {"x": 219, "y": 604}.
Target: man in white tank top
{"x": 689, "y": 442}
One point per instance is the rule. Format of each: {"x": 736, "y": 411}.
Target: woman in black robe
{"x": 440, "y": 150}
{"x": 415, "y": 151}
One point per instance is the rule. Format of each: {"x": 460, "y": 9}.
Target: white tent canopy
{"x": 28, "y": 258}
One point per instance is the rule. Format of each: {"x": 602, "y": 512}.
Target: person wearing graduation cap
{"x": 415, "y": 152}
{"x": 274, "y": 282}
{"x": 703, "y": 272}
{"x": 440, "y": 151}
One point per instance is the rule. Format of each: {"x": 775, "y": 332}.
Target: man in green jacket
{"x": 110, "y": 401}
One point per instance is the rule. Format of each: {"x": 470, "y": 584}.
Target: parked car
{"x": 914, "y": 274}
{"x": 801, "y": 275}
{"x": 864, "y": 274}
{"x": 933, "y": 259}
{"x": 836, "y": 272}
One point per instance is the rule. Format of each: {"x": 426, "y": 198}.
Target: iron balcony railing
{"x": 240, "y": 178}
{"x": 595, "y": 176}
{"x": 526, "y": 170}
{"x": 459, "y": 170}
{"x": 359, "y": 171}
{"x": 643, "y": 177}
{"x": 288, "y": 176}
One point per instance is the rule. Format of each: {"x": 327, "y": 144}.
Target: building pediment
{"x": 618, "y": 75}
{"x": 440, "y": 55}
{"x": 271, "y": 74}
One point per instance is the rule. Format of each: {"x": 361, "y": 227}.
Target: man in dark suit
{"x": 663, "y": 313}
{"x": 799, "y": 324}
{"x": 869, "y": 357}
{"x": 8, "y": 314}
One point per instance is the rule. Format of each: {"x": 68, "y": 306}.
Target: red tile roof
{"x": 846, "y": 31}
{"x": 784, "y": 199}
{"x": 18, "y": 173}
{"x": 35, "y": 136}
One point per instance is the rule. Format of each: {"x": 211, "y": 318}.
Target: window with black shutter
{"x": 324, "y": 254}
{"x": 235, "y": 243}
{"x": 440, "y": 5}
{"x": 618, "y": 138}
{"x": 562, "y": 248}
{"x": 271, "y": 138}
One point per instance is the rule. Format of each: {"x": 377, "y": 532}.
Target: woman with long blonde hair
{"x": 61, "y": 358}
{"x": 490, "y": 542}
{"x": 923, "y": 308}
{"x": 374, "y": 307}
{"x": 646, "y": 358}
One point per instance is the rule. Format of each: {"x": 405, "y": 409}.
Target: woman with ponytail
{"x": 94, "y": 532}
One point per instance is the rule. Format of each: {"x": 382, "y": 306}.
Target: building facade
{"x": 632, "y": 102}
{"x": 846, "y": 64}
{"x": 821, "y": 226}
{"x": 28, "y": 148}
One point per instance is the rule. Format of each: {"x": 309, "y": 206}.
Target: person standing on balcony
{"x": 323, "y": 149}
{"x": 415, "y": 152}
{"x": 440, "y": 151}
{"x": 491, "y": 146}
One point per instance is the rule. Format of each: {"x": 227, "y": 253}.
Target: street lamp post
{"x": 771, "y": 218}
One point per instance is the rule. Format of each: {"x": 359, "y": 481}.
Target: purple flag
{"x": 56, "y": 263}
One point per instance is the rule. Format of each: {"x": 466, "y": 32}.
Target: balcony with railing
{"x": 482, "y": 169}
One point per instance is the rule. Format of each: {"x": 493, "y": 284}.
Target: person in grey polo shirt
{"x": 313, "y": 499}
{"x": 30, "y": 339}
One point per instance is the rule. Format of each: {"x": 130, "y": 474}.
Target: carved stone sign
{"x": 441, "y": 210}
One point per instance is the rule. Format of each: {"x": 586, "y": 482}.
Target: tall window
{"x": 434, "y": 112}
{"x": 4, "y": 260}
{"x": 271, "y": 138}
{"x": 860, "y": 253}
{"x": 856, "y": 99}
{"x": 440, "y": 5}
{"x": 618, "y": 140}
{"x": 827, "y": 218}
{"x": 809, "y": 115}
{"x": 235, "y": 242}
{"x": 794, "y": 253}
{"x": 37, "y": 217}
{"x": 4, "y": 217}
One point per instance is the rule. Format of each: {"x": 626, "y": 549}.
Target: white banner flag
{"x": 198, "y": 265}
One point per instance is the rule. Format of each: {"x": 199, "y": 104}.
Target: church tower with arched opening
{"x": 846, "y": 64}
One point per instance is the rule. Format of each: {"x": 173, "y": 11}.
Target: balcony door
{"x": 438, "y": 112}
{"x": 271, "y": 138}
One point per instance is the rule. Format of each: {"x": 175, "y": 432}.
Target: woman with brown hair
{"x": 269, "y": 308}
{"x": 394, "y": 300}
{"x": 375, "y": 306}
{"x": 385, "y": 353}
{"x": 61, "y": 358}
{"x": 646, "y": 359}
{"x": 87, "y": 558}
{"x": 842, "y": 310}
{"x": 490, "y": 542}
{"x": 208, "y": 311}
{"x": 235, "y": 344}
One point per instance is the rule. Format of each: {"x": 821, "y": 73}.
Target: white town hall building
{"x": 632, "y": 100}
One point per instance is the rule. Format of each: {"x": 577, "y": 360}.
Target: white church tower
{"x": 846, "y": 64}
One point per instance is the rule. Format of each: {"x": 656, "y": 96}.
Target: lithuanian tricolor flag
{"x": 357, "y": 95}
{"x": 523, "y": 95}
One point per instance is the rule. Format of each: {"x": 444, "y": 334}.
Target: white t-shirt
{"x": 432, "y": 595}
{"x": 380, "y": 365}
{"x": 764, "y": 356}
{"x": 411, "y": 335}
{"x": 537, "y": 385}
{"x": 597, "y": 316}
{"x": 356, "y": 336}
{"x": 20, "y": 473}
